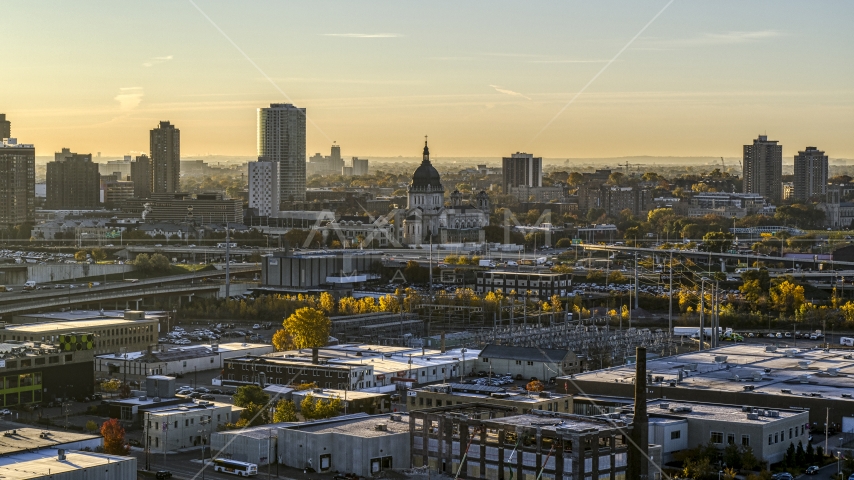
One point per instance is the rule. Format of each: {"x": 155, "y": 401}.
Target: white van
{"x": 30, "y": 285}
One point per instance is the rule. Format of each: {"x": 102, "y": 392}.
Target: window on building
{"x": 438, "y": 403}
{"x": 530, "y": 363}
{"x": 730, "y": 439}
{"x": 745, "y": 440}
{"x": 769, "y": 439}
{"x": 423, "y": 373}
{"x": 776, "y": 438}
{"x": 717, "y": 437}
{"x": 675, "y": 434}
{"x": 421, "y": 401}
{"x": 429, "y": 402}
{"x": 485, "y": 360}
{"x": 412, "y": 401}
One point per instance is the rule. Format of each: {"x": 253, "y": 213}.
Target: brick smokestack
{"x": 638, "y": 463}
{"x": 315, "y": 356}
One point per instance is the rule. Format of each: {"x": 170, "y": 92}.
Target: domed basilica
{"x": 427, "y": 216}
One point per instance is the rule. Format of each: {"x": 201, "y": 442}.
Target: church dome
{"x": 426, "y": 175}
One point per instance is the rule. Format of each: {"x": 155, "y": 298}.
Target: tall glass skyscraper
{"x": 281, "y": 139}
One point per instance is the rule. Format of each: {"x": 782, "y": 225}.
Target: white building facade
{"x": 264, "y": 187}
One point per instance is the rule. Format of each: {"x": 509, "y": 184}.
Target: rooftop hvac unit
{"x": 753, "y": 416}
{"x": 664, "y": 406}
{"x": 659, "y": 379}
{"x": 757, "y": 376}
{"x": 804, "y": 364}
{"x": 748, "y": 388}
{"x": 746, "y": 408}
{"x": 771, "y": 349}
{"x": 545, "y": 395}
{"x": 772, "y": 413}
{"x": 846, "y": 395}
{"x": 395, "y": 418}
{"x": 691, "y": 367}
{"x": 786, "y": 390}
{"x": 833, "y": 371}
{"x": 720, "y": 359}
{"x": 381, "y": 427}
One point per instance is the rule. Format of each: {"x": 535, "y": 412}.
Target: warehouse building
{"x": 524, "y": 284}
{"x": 36, "y": 453}
{"x": 520, "y": 401}
{"x": 528, "y": 362}
{"x": 362, "y": 445}
{"x": 478, "y": 441}
{"x": 256, "y": 445}
{"x": 288, "y": 272}
{"x": 766, "y": 377}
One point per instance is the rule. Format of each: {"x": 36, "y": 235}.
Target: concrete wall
{"x": 348, "y": 453}
{"x": 253, "y": 446}
{"x": 64, "y": 272}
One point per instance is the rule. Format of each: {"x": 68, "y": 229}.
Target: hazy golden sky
{"x": 481, "y": 78}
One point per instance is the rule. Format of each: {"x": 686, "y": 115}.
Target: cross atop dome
{"x": 426, "y": 157}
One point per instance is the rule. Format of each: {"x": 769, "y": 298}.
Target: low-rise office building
{"x": 132, "y": 331}
{"x": 285, "y": 271}
{"x": 528, "y": 362}
{"x": 270, "y": 370}
{"x": 524, "y": 284}
{"x": 186, "y": 425}
{"x": 520, "y": 401}
{"x": 169, "y": 360}
{"x": 678, "y": 426}
{"x": 35, "y": 372}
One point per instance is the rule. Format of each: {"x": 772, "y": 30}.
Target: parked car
{"x": 207, "y": 396}
{"x": 163, "y": 474}
{"x": 5, "y": 412}
{"x": 812, "y": 470}
{"x": 195, "y": 395}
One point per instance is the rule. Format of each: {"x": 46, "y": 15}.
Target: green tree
{"x": 99, "y": 255}
{"x": 142, "y": 262}
{"x": 285, "y": 411}
{"x": 250, "y": 394}
{"x": 160, "y": 263}
{"x": 308, "y": 327}
{"x": 748, "y": 459}
{"x": 717, "y": 241}
{"x": 253, "y": 414}
{"x": 91, "y": 426}
{"x": 282, "y": 341}
{"x": 313, "y": 408}
{"x": 80, "y": 255}
{"x": 563, "y": 243}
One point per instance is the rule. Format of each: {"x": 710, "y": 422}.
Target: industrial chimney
{"x": 638, "y": 455}
{"x": 315, "y": 356}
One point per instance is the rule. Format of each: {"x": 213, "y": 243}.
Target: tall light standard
{"x": 203, "y": 423}
{"x": 703, "y": 281}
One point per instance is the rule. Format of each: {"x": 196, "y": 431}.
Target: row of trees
{"x": 156, "y": 263}
{"x": 257, "y": 409}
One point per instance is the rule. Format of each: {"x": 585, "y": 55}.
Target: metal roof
{"x": 532, "y": 354}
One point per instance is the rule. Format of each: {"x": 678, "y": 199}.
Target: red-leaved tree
{"x": 114, "y": 437}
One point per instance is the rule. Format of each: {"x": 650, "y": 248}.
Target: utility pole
{"x": 670, "y": 303}
{"x": 203, "y": 423}
{"x": 227, "y": 253}
{"x": 147, "y": 441}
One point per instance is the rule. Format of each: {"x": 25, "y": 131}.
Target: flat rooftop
{"x": 757, "y": 369}
{"x": 29, "y": 439}
{"x": 44, "y": 463}
{"x": 383, "y": 359}
{"x": 360, "y": 427}
{"x": 82, "y": 315}
{"x": 554, "y": 421}
{"x": 80, "y": 325}
{"x": 712, "y": 411}
{"x": 350, "y": 395}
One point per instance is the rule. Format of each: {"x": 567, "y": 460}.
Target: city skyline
{"x": 698, "y": 79}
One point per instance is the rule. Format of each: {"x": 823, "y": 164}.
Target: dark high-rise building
{"x": 5, "y": 127}
{"x": 522, "y": 170}
{"x": 165, "y": 159}
{"x": 17, "y": 183}
{"x": 140, "y": 175}
{"x": 810, "y": 173}
{"x": 281, "y": 138}
{"x": 763, "y": 168}
{"x": 73, "y": 181}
